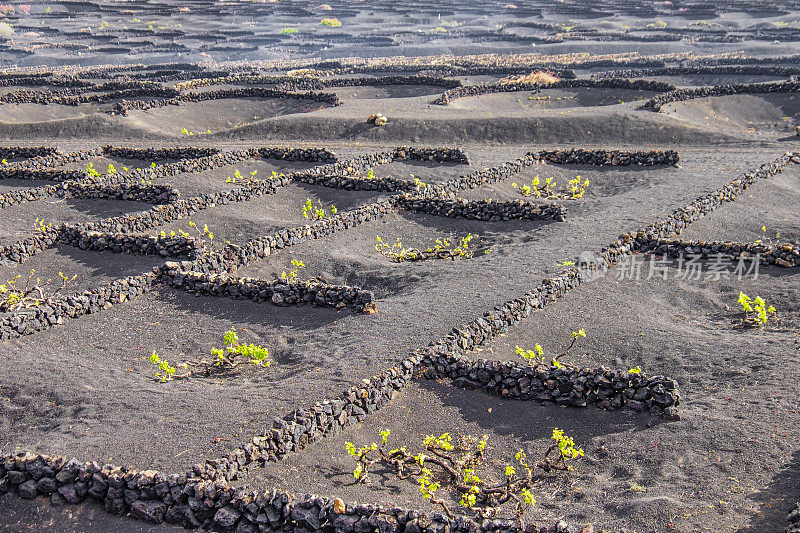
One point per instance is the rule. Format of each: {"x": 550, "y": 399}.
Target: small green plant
{"x": 547, "y": 189}
{"x": 32, "y": 294}
{"x": 442, "y": 249}
{"x": 330, "y": 22}
{"x": 419, "y": 184}
{"x": 233, "y": 354}
{"x": 164, "y": 371}
{"x": 40, "y": 227}
{"x": 287, "y": 31}
{"x": 768, "y": 240}
{"x": 756, "y": 312}
{"x": 200, "y": 235}
{"x": 94, "y": 173}
{"x": 90, "y": 170}
{"x": 238, "y": 177}
{"x": 316, "y": 212}
{"x": 187, "y": 132}
{"x": 567, "y": 263}
{"x": 291, "y": 275}
{"x": 460, "y": 467}
{"x": 537, "y": 354}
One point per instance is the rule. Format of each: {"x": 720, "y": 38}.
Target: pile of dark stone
{"x": 488, "y": 210}
{"x": 779, "y": 254}
{"x": 278, "y": 291}
{"x": 681, "y": 95}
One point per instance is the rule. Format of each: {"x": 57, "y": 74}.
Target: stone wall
{"x": 681, "y": 95}
{"x": 278, "y": 292}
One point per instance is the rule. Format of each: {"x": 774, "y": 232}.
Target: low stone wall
{"x": 391, "y": 80}
{"x": 234, "y": 256}
{"x": 681, "y": 95}
{"x": 63, "y": 307}
{"x": 124, "y": 106}
{"x": 780, "y": 254}
{"x": 134, "y": 192}
{"x": 158, "y": 154}
{"x": 439, "y": 155}
{"x": 50, "y": 160}
{"x": 121, "y": 243}
{"x": 316, "y": 83}
{"x": 191, "y": 502}
{"x": 568, "y": 386}
{"x": 615, "y": 83}
{"x": 22, "y": 250}
{"x": 164, "y": 213}
{"x": 561, "y": 157}
{"x": 484, "y": 88}
{"x": 678, "y": 70}
{"x": 27, "y": 152}
{"x": 794, "y": 520}
{"x": 676, "y": 222}
{"x": 259, "y": 92}
{"x": 313, "y": 155}
{"x": 278, "y": 292}
{"x": 77, "y": 96}
{"x": 488, "y": 210}
{"x": 491, "y": 88}
{"x": 353, "y": 183}
{"x": 609, "y": 157}
{"x": 41, "y": 175}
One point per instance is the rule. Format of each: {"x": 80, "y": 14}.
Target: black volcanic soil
{"x": 732, "y": 455}
{"x": 86, "y": 389}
